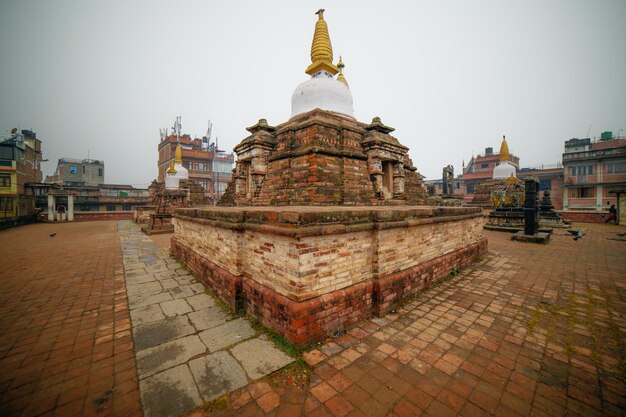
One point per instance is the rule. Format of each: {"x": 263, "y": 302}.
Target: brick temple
{"x": 324, "y": 222}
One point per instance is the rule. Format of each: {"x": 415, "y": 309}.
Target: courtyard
{"x": 529, "y": 330}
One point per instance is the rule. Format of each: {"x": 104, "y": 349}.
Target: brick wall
{"x": 102, "y": 215}
{"x": 585, "y": 216}
{"x": 307, "y": 273}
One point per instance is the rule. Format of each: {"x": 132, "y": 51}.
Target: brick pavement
{"x": 530, "y": 331}
{"x": 66, "y": 347}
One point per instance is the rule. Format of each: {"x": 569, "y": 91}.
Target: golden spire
{"x": 179, "y": 154}
{"x": 171, "y": 169}
{"x": 321, "y": 48}
{"x": 341, "y": 66}
{"x": 504, "y": 150}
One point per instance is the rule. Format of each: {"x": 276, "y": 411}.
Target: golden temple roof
{"x": 504, "y": 150}
{"x": 321, "y": 48}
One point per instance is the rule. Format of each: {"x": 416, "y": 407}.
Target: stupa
{"x": 323, "y": 225}
{"x": 176, "y": 191}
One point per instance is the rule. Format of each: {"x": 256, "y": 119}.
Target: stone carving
{"x": 448, "y": 180}
{"x": 531, "y": 206}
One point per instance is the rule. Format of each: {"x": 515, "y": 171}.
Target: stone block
{"x": 169, "y": 393}
{"x": 217, "y": 374}
{"x": 168, "y": 355}
{"x": 259, "y": 357}
{"x": 208, "y": 318}
{"x": 147, "y": 314}
{"x": 156, "y": 333}
{"x": 175, "y": 307}
{"x": 227, "y": 334}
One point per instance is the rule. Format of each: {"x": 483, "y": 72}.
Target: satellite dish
{"x": 14, "y": 131}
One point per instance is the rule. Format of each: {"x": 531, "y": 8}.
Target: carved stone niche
{"x": 386, "y": 160}
{"x": 252, "y": 161}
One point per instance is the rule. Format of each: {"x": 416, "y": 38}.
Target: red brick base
{"x": 306, "y": 322}
{"x": 585, "y": 216}
{"x": 226, "y": 285}
{"x": 392, "y": 289}
{"x": 103, "y": 215}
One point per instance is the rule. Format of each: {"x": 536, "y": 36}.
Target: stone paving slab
{"x": 183, "y": 341}
{"x": 169, "y": 393}
{"x": 217, "y": 374}
{"x": 227, "y": 334}
{"x": 259, "y": 357}
{"x": 161, "y": 331}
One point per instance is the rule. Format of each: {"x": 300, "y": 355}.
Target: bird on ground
{"x": 52, "y": 234}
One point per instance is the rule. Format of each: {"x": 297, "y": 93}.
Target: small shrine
{"x": 547, "y": 216}
{"x": 177, "y": 191}
{"x": 503, "y": 171}
{"x": 325, "y": 222}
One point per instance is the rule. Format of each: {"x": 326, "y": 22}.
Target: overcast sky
{"x": 100, "y": 78}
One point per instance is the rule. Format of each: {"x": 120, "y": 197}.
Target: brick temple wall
{"x": 281, "y": 265}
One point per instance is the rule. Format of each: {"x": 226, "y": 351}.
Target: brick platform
{"x": 66, "y": 347}
{"x": 308, "y": 272}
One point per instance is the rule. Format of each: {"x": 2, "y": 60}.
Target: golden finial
{"x": 179, "y": 154}
{"x": 504, "y": 150}
{"x": 171, "y": 170}
{"x": 341, "y": 66}
{"x": 321, "y": 48}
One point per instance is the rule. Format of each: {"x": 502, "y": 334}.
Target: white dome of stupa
{"x": 505, "y": 169}
{"x": 323, "y": 91}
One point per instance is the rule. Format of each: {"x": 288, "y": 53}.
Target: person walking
{"x": 612, "y": 214}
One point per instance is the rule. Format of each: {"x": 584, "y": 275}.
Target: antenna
{"x": 588, "y": 131}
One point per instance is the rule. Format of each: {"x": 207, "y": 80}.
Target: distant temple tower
{"x": 505, "y": 169}
{"x": 177, "y": 171}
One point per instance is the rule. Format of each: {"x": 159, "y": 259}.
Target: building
{"x": 480, "y": 169}
{"x": 207, "y": 165}
{"x": 20, "y": 167}
{"x": 550, "y": 179}
{"x": 102, "y": 202}
{"x": 591, "y": 171}
{"x": 78, "y": 172}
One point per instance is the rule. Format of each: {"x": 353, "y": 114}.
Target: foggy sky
{"x": 100, "y": 78}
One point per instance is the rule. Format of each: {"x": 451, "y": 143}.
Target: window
{"x": 470, "y": 188}
{"x": 582, "y": 170}
{"x": 5, "y": 180}
{"x": 582, "y": 192}
{"x": 126, "y": 207}
{"x": 99, "y": 172}
{"x": 73, "y": 169}
{"x": 85, "y": 207}
{"x": 204, "y": 185}
{"x": 616, "y": 167}
{"x": 222, "y": 166}
{"x": 6, "y": 204}
{"x": 545, "y": 185}
{"x": 110, "y": 207}
{"x": 83, "y": 169}
{"x": 484, "y": 165}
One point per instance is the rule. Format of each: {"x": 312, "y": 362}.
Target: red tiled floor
{"x": 66, "y": 347}
{"x": 531, "y": 330}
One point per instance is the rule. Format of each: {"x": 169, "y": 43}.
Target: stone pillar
{"x": 531, "y": 206}
{"x": 70, "y": 208}
{"x": 398, "y": 180}
{"x": 51, "y": 208}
